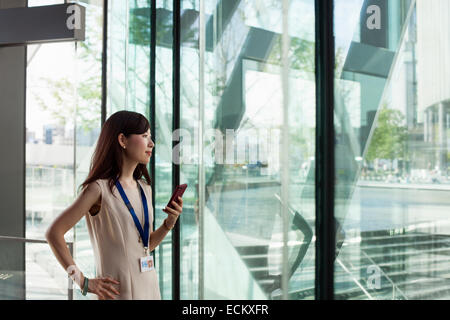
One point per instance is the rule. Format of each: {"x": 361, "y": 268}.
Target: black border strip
{"x": 325, "y": 137}
{"x": 176, "y": 125}
{"x": 104, "y": 61}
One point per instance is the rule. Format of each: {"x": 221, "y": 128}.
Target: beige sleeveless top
{"x": 115, "y": 242}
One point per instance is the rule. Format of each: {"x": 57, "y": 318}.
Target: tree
{"x": 389, "y": 138}
{"x": 60, "y": 98}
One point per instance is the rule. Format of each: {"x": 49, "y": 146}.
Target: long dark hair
{"x": 106, "y": 162}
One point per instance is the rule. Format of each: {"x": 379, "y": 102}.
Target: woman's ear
{"x": 122, "y": 140}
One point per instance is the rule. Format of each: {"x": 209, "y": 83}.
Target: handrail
{"x": 302, "y": 225}
{"x": 358, "y": 283}
{"x": 27, "y": 240}
{"x": 394, "y": 286}
{"x": 22, "y": 239}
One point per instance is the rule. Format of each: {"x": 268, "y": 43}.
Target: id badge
{"x": 147, "y": 263}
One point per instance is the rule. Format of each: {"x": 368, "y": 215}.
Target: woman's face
{"x": 139, "y": 147}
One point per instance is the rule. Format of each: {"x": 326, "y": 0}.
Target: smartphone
{"x": 178, "y": 192}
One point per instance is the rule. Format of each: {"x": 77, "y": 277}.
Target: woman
{"x": 116, "y": 202}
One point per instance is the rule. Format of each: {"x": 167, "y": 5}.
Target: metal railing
{"x": 27, "y": 240}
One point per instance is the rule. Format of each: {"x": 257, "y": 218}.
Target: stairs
{"x": 410, "y": 265}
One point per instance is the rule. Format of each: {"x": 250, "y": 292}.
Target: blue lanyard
{"x": 144, "y": 233}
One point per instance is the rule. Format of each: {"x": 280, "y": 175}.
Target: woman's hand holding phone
{"x": 175, "y": 206}
{"x": 173, "y": 214}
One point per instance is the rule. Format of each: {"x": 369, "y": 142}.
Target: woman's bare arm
{"x": 158, "y": 235}
{"x": 67, "y": 220}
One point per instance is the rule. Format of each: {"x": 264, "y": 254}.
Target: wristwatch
{"x": 85, "y": 286}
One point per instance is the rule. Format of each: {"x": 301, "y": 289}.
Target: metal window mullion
{"x": 284, "y": 156}
{"x": 153, "y": 102}
{"x": 24, "y": 176}
{"x": 74, "y": 184}
{"x": 201, "y": 168}
{"x": 127, "y": 53}
{"x": 325, "y": 137}
{"x": 176, "y": 125}
{"x": 104, "y": 62}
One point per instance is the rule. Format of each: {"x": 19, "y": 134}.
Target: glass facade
{"x": 163, "y": 137}
{"x": 392, "y": 155}
{"x": 232, "y": 90}
{"x": 246, "y": 144}
{"x": 229, "y": 56}
{"x": 63, "y": 122}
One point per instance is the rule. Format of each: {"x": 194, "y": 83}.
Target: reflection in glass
{"x": 49, "y": 154}
{"x": 163, "y": 143}
{"x": 391, "y": 149}
{"x": 239, "y": 253}
{"x": 129, "y": 35}
{"x": 88, "y": 101}
{"x": 63, "y": 122}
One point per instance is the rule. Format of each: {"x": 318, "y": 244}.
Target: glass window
{"x": 88, "y": 122}
{"x": 63, "y": 122}
{"x": 232, "y": 245}
{"x": 392, "y": 177}
{"x": 163, "y": 143}
{"x": 49, "y": 160}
